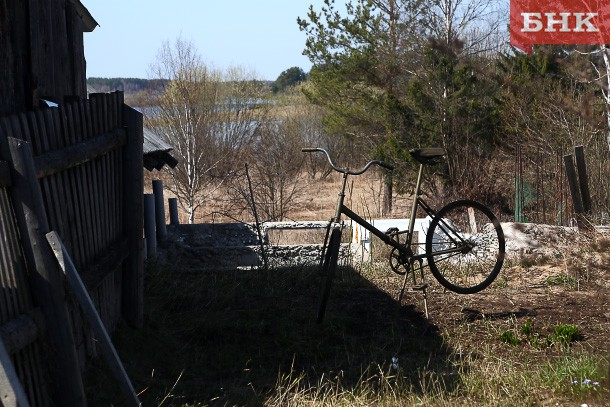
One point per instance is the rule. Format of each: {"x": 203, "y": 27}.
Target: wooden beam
{"x": 22, "y": 331}
{"x": 133, "y": 207}
{"x": 583, "y": 178}
{"x": 45, "y": 277}
{"x": 113, "y": 258}
{"x": 93, "y": 318}
{"x": 11, "y": 391}
{"x": 573, "y": 183}
{"x": 77, "y": 154}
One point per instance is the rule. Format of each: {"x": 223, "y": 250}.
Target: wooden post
{"x": 45, "y": 276}
{"x": 172, "y": 203}
{"x": 11, "y": 390}
{"x": 573, "y": 183}
{"x": 133, "y": 209}
{"x": 159, "y": 210}
{"x": 583, "y": 178}
{"x": 93, "y": 318}
{"x": 575, "y": 192}
{"x": 149, "y": 225}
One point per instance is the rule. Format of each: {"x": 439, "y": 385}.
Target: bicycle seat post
{"x": 416, "y": 194}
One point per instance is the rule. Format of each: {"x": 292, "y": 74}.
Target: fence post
{"x": 159, "y": 210}
{"x": 45, "y": 276}
{"x": 583, "y": 178}
{"x": 133, "y": 267}
{"x": 575, "y": 192}
{"x": 150, "y": 230}
{"x": 172, "y": 203}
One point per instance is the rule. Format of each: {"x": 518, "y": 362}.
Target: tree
{"x": 472, "y": 26}
{"x": 209, "y": 117}
{"x": 289, "y": 77}
{"x": 361, "y": 62}
{"x": 275, "y": 163}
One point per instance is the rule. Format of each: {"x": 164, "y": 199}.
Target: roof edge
{"x": 89, "y": 23}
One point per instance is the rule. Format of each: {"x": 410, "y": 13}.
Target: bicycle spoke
{"x": 465, "y": 247}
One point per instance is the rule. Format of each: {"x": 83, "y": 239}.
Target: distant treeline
{"x": 133, "y": 86}
{"x": 127, "y": 85}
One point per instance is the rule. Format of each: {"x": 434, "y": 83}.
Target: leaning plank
{"x": 47, "y": 287}
{"x": 95, "y": 322}
{"x": 11, "y": 391}
{"x": 69, "y": 157}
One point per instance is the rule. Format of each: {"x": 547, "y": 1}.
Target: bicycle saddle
{"x": 429, "y": 155}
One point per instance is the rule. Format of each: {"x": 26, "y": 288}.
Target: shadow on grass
{"x": 224, "y": 338}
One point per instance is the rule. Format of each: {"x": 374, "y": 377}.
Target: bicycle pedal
{"x": 419, "y": 287}
{"x": 391, "y": 231}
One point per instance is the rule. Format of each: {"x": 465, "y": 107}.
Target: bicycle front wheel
{"x": 329, "y": 267}
{"x": 465, "y": 246}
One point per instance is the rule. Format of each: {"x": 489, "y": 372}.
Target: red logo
{"x": 559, "y": 22}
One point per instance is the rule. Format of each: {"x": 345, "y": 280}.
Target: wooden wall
{"x": 41, "y": 42}
{"x": 86, "y": 160}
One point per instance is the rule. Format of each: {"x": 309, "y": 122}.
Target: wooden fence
{"x": 76, "y": 170}
{"x": 542, "y": 185}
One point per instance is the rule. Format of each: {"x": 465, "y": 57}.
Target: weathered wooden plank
{"x": 83, "y": 184}
{"x": 56, "y": 208}
{"x": 133, "y": 203}
{"x": 63, "y": 193}
{"x": 82, "y": 296}
{"x": 583, "y": 178}
{"x": 22, "y": 330}
{"x": 11, "y": 390}
{"x": 72, "y": 178}
{"x": 13, "y": 247}
{"x": 9, "y": 307}
{"x": 5, "y": 175}
{"x": 6, "y": 304}
{"x": 96, "y": 227}
{"x": 60, "y": 160}
{"x": 46, "y": 286}
{"x": 103, "y": 172}
{"x": 112, "y": 260}
{"x": 573, "y": 183}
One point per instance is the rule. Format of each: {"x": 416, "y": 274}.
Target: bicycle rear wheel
{"x": 329, "y": 267}
{"x": 465, "y": 246}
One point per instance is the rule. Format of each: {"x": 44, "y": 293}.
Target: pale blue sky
{"x": 259, "y": 35}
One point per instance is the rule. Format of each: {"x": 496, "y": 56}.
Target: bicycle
{"x": 464, "y": 247}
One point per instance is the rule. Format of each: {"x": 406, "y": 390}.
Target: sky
{"x": 258, "y": 35}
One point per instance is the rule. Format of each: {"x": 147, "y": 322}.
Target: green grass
{"x": 248, "y": 338}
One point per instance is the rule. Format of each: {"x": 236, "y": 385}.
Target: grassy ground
{"x": 248, "y": 338}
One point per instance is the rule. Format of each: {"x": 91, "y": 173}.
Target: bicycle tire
{"x": 329, "y": 267}
{"x": 473, "y": 230}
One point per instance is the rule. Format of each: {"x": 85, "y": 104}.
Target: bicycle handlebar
{"x": 347, "y": 170}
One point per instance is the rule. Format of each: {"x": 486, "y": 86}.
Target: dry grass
{"x": 316, "y": 201}
{"x": 248, "y": 338}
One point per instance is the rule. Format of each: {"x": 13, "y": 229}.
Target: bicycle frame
{"x": 444, "y": 237}
{"x": 341, "y": 209}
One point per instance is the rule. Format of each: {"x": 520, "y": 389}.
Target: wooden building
{"x": 42, "y": 52}
{"x": 76, "y": 171}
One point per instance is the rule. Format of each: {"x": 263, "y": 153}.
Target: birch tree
{"x": 208, "y": 116}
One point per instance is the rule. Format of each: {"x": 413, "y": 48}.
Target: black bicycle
{"x": 464, "y": 245}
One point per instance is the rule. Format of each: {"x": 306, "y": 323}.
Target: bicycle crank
{"x": 399, "y": 261}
